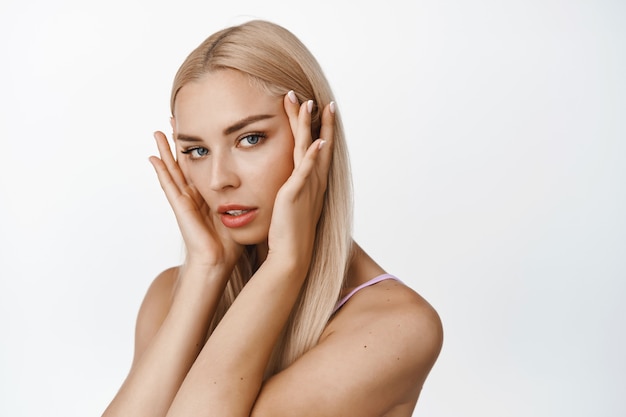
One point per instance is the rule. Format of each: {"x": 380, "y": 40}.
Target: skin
{"x": 374, "y": 354}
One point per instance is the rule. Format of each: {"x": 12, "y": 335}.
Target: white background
{"x": 488, "y": 141}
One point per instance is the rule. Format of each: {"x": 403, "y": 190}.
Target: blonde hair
{"x": 277, "y": 61}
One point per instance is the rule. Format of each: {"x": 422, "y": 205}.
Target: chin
{"x": 249, "y": 237}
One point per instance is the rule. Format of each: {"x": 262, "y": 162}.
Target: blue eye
{"x": 251, "y": 140}
{"x": 195, "y": 153}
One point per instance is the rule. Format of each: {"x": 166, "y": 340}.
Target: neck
{"x": 261, "y": 254}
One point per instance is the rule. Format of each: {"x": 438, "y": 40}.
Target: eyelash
{"x": 261, "y": 137}
{"x": 192, "y": 152}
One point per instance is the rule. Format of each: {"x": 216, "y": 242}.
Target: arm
{"x": 226, "y": 377}
{"x": 372, "y": 360}
{"x": 171, "y": 331}
{"x": 164, "y": 353}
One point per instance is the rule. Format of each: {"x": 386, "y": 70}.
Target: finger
{"x": 302, "y": 137}
{"x": 327, "y": 133}
{"x": 291, "y": 108}
{"x": 297, "y": 114}
{"x": 308, "y": 163}
{"x": 168, "y": 159}
{"x": 172, "y": 191}
{"x": 295, "y": 111}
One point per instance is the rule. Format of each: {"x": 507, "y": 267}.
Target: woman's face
{"x": 235, "y": 145}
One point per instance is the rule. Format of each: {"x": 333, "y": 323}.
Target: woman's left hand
{"x": 299, "y": 201}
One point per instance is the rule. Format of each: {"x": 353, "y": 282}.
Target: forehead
{"x": 220, "y": 98}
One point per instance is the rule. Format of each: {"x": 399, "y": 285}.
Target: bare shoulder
{"x": 391, "y": 301}
{"x": 401, "y": 323}
{"x": 154, "y": 308}
{"x": 371, "y": 360}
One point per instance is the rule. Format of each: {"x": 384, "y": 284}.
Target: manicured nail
{"x": 292, "y": 97}
{"x": 321, "y": 145}
{"x": 332, "y": 107}
{"x": 309, "y": 105}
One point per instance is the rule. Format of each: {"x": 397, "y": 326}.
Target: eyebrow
{"x": 230, "y": 129}
{"x": 245, "y": 122}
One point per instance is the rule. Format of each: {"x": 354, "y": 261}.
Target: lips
{"x": 234, "y": 216}
{"x": 236, "y": 212}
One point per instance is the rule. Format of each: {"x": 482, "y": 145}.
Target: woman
{"x": 251, "y": 323}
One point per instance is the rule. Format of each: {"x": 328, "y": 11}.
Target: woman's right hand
{"x": 208, "y": 245}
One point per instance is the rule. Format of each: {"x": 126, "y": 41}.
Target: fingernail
{"x": 292, "y": 97}
{"x": 321, "y": 145}
{"x": 309, "y": 105}
{"x": 332, "y": 107}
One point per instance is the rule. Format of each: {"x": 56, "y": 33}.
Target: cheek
{"x": 196, "y": 173}
{"x": 281, "y": 167}
{"x": 186, "y": 168}
{"x": 271, "y": 176}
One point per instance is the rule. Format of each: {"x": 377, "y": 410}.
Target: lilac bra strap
{"x": 360, "y": 287}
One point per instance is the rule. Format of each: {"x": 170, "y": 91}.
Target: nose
{"x": 223, "y": 173}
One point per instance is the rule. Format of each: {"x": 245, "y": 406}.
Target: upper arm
{"x": 376, "y": 358}
{"x": 154, "y": 308}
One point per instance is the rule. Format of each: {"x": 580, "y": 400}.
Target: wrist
{"x": 211, "y": 261}
{"x": 204, "y": 273}
{"x": 288, "y": 266}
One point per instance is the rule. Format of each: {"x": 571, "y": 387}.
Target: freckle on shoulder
{"x": 408, "y": 321}
{"x": 402, "y": 305}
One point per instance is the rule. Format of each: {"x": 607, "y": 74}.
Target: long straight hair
{"x": 276, "y": 61}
